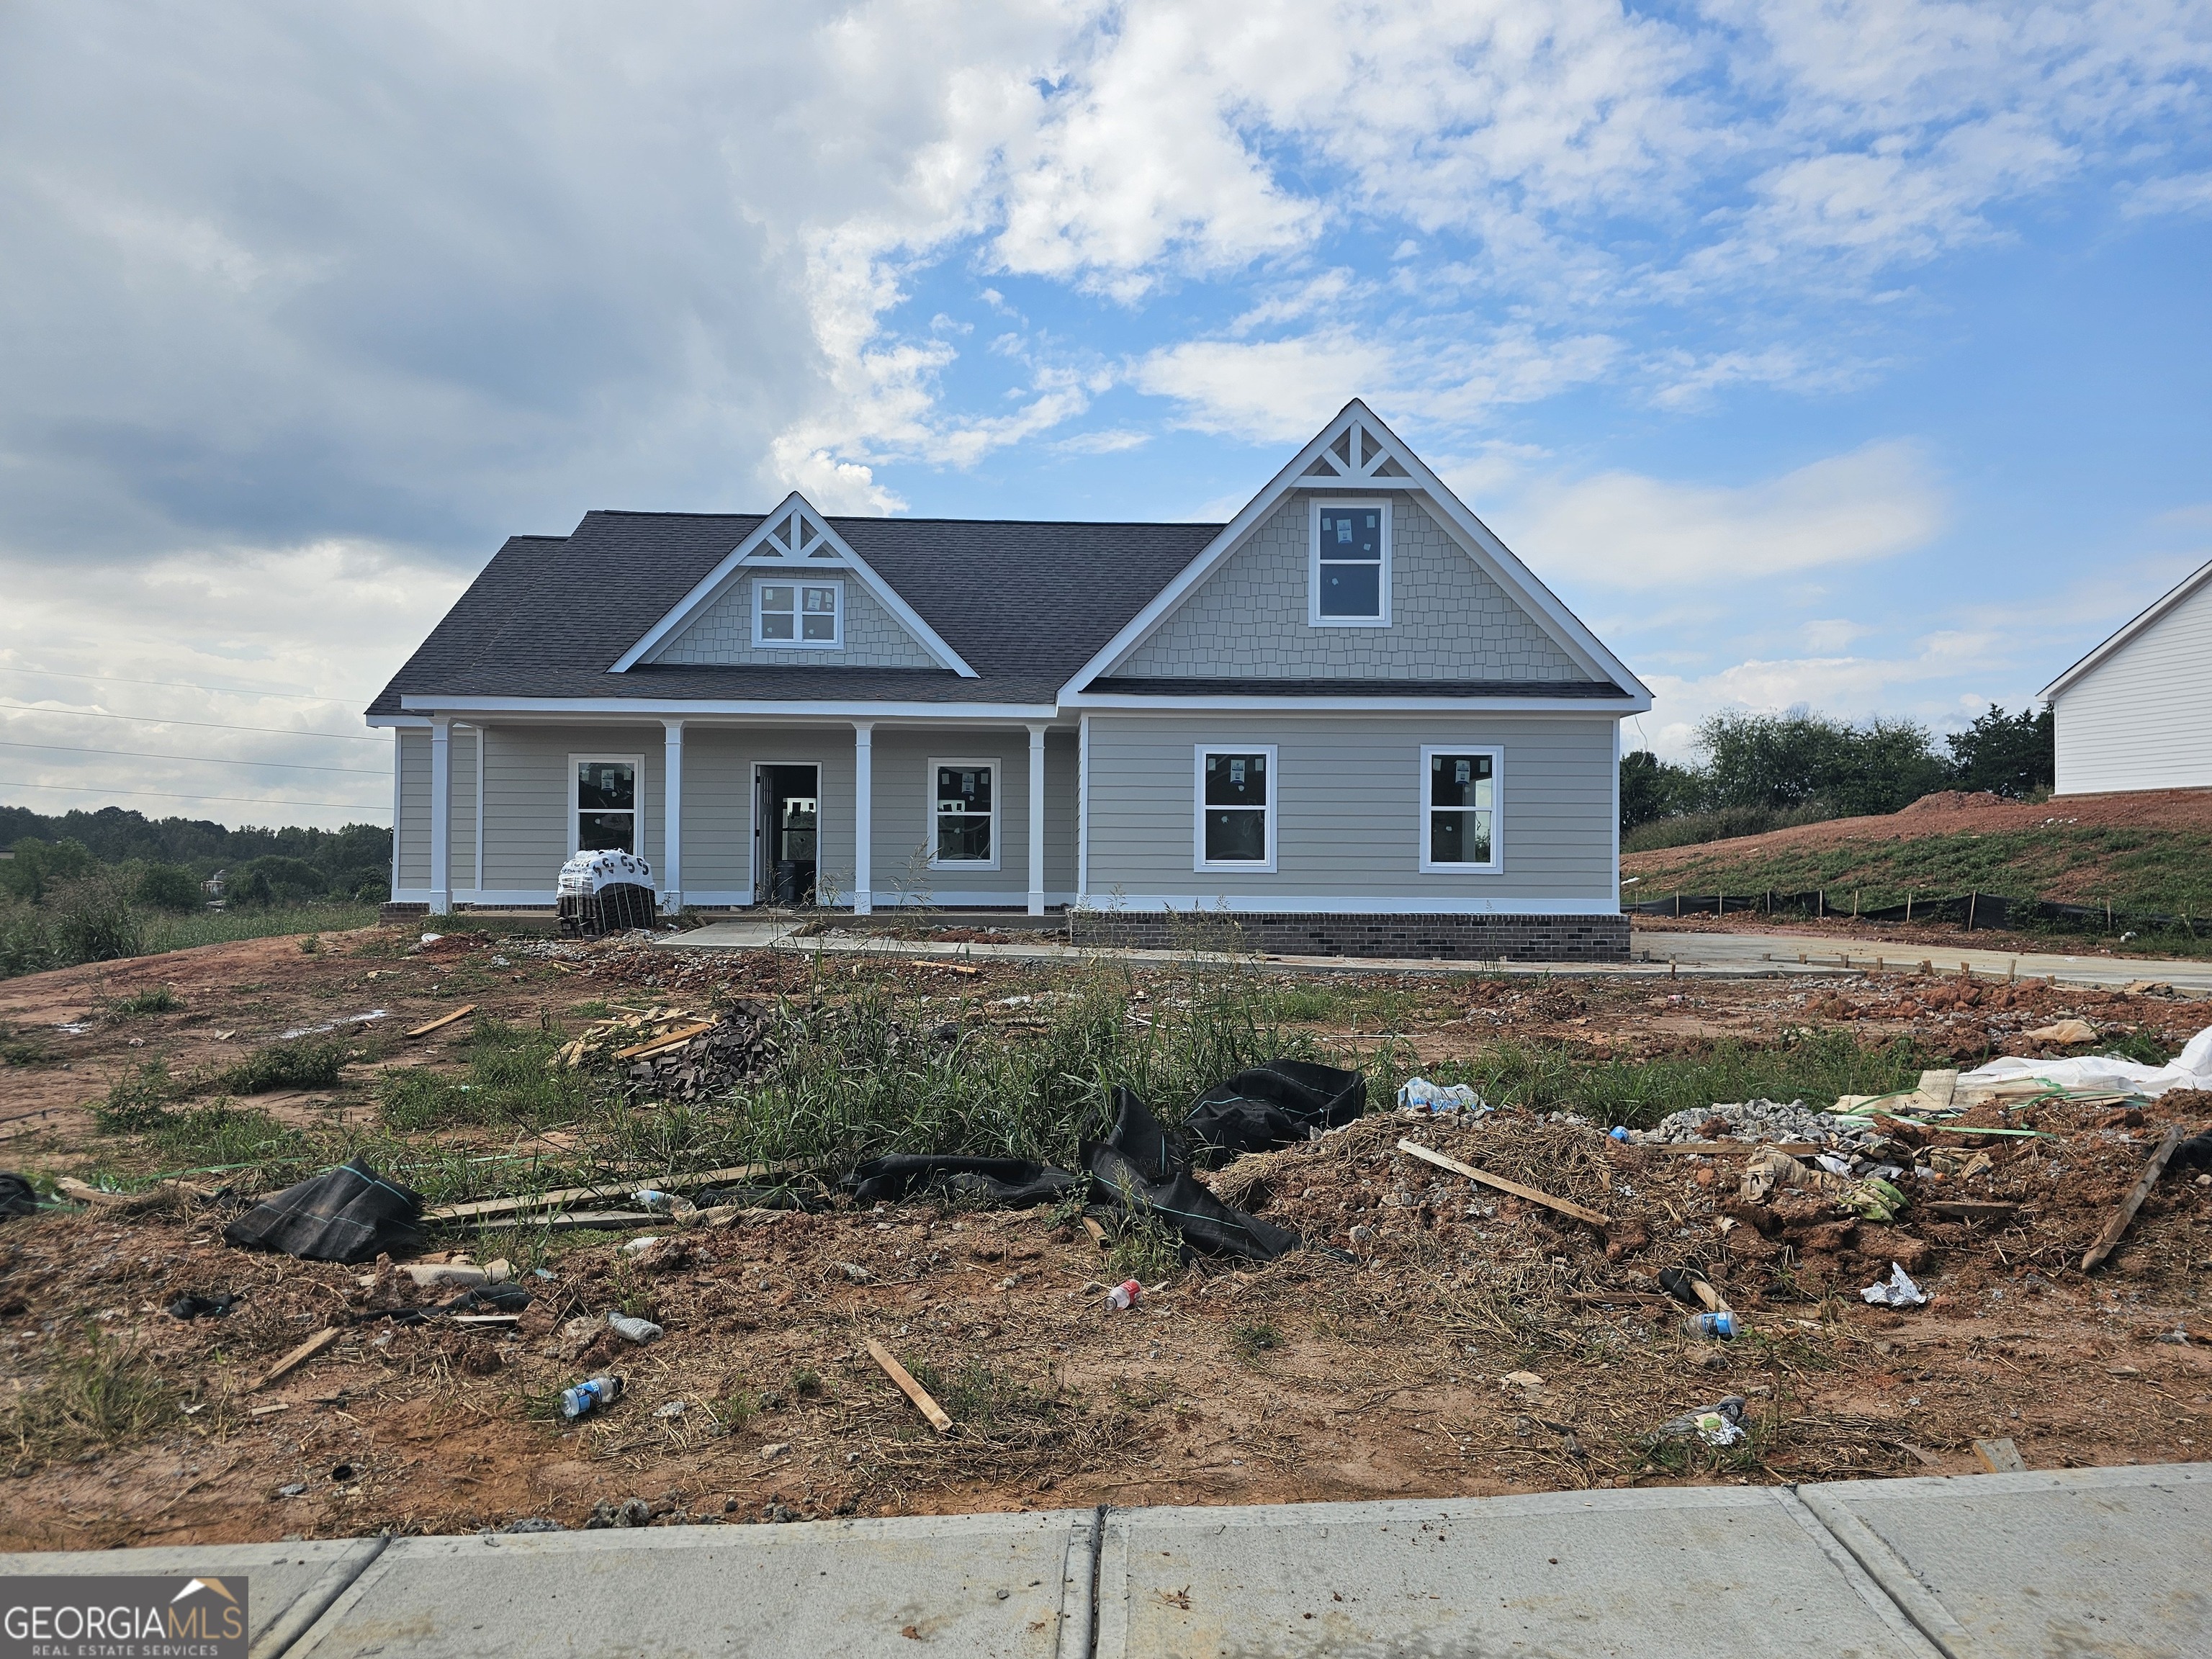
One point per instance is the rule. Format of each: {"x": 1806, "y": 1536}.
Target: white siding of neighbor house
{"x": 902, "y": 838}
{"x": 1449, "y": 620}
{"x": 723, "y": 633}
{"x": 1350, "y": 799}
{"x": 2142, "y": 719}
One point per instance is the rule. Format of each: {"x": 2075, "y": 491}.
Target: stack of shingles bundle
{"x": 676, "y": 1053}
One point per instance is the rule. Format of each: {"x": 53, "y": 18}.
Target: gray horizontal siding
{"x": 903, "y": 831}
{"x": 1349, "y": 809}
{"x": 527, "y": 834}
{"x": 414, "y": 817}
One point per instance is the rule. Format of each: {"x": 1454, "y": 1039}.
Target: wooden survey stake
{"x": 911, "y": 1389}
{"x": 1561, "y": 1205}
{"x": 299, "y": 1355}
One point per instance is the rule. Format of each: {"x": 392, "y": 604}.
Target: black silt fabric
{"x": 351, "y": 1213}
{"x": 2195, "y": 1153}
{"x": 17, "y": 1197}
{"x": 1270, "y": 1106}
{"x": 1136, "y": 1170}
{"x": 1013, "y": 1183}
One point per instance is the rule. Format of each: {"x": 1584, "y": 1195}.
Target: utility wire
{"x": 209, "y": 726}
{"x": 176, "y": 685}
{"x": 216, "y": 760}
{"x": 155, "y": 794}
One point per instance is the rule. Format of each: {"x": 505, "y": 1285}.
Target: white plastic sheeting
{"x": 2191, "y": 1069}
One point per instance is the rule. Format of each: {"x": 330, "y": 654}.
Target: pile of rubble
{"x": 678, "y": 1054}
{"x": 1796, "y": 1124}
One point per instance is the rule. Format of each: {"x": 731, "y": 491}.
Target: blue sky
{"x": 1846, "y": 354}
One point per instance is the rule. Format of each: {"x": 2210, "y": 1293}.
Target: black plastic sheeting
{"x": 1136, "y": 1171}
{"x": 1015, "y": 1182}
{"x": 1272, "y": 1105}
{"x": 17, "y": 1197}
{"x": 351, "y": 1213}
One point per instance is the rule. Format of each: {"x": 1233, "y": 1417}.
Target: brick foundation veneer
{"x": 402, "y": 911}
{"x": 1455, "y": 938}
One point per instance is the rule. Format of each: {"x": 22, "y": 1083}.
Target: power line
{"x": 207, "y": 726}
{"x": 155, "y": 794}
{"x": 174, "y": 685}
{"x": 216, "y": 760}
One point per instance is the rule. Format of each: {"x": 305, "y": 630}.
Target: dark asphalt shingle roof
{"x": 1025, "y": 604}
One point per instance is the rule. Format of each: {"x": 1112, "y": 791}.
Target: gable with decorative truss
{"x": 794, "y": 594}
{"x": 1358, "y": 562}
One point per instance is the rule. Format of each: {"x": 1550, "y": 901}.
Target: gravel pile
{"x": 1755, "y": 1120}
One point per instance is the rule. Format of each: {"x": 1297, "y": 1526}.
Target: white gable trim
{"x": 812, "y": 545}
{"x": 2150, "y": 614}
{"x": 1356, "y": 450}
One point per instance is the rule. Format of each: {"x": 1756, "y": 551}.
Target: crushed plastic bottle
{"x": 1125, "y": 1295}
{"x": 661, "y": 1203}
{"x": 634, "y": 1330}
{"x": 1419, "y": 1095}
{"x": 589, "y": 1395}
{"x": 1719, "y": 1326}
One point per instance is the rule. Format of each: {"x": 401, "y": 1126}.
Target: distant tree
{"x": 1651, "y": 789}
{"x": 2013, "y": 755}
{"x": 39, "y": 865}
{"x": 1800, "y": 759}
{"x": 169, "y": 887}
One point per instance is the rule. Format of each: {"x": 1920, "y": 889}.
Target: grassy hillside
{"x": 2132, "y": 868}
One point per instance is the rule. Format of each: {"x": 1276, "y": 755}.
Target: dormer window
{"x": 801, "y": 615}
{"x": 1349, "y": 583}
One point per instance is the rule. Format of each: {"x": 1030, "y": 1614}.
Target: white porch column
{"x": 1036, "y": 818}
{"x": 671, "y": 817}
{"x": 441, "y": 815}
{"x": 864, "y": 818}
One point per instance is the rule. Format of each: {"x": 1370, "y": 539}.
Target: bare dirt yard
{"x": 1438, "y": 1337}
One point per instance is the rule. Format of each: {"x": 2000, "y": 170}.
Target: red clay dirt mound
{"x": 1950, "y": 812}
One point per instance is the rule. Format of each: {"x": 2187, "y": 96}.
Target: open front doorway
{"x": 786, "y": 833}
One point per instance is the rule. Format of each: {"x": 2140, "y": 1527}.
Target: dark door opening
{"x": 786, "y": 833}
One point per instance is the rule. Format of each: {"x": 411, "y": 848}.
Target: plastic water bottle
{"x": 1716, "y": 1326}
{"x": 634, "y": 1330}
{"x": 1124, "y": 1295}
{"x": 588, "y": 1396}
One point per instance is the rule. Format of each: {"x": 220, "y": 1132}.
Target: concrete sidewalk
{"x": 2071, "y": 1562}
{"x": 1654, "y": 955}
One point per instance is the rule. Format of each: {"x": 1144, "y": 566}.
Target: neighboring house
{"x": 2136, "y": 712}
{"x": 1350, "y": 715}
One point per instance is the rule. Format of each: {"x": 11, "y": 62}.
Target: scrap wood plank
{"x": 444, "y": 1020}
{"x": 911, "y": 1389}
{"x": 299, "y": 1355}
{"x": 566, "y": 1196}
{"x": 1969, "y": 1209}
{"x": 1563, "y": 1205}
{"x": 2109, "y": 1238}
{"x": 667, "y": 1040}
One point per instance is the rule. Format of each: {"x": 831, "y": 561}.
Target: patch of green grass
{"x": 137, "y": 1100}
{"x": 223, "y": 927}
{"x": 105, "y": 1395}
{"x": 24, "y": 1048}
{"x": 1306, "y": 1004}
{"x": 154, "y": 999}
{"x": 1248, "y": 1342}
{"x": 806, "y": 1384}
{"x": 978, "y": 1396}
{"x": 737, "y": 1407}
{"x": 507, "y": 1082}
{"x": 1815, "y": 1067}
{"x": 220, "y": 1135}
{"x": 303, "y": 1063}
{"x": 1146, "y": 1249}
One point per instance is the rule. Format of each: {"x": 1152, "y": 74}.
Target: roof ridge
{"x": 880, "y": 518}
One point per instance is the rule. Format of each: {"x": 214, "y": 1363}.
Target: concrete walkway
{"x": 1655, "y": 955}
{"x": 2088, "y": 1562}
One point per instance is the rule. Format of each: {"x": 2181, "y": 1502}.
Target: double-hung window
{"x": 803, "y": 615}
{"x": 963, "y": 811}
{"x": 603, "y": 803}
{"x": 1235, "y": 789}
{"x": 1349, "y": 583}
{"x": 1459, "y": 810}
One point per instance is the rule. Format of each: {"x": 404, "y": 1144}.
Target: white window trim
{"x": 1497, "y": 865}
{"x": 796, "y": 578}
{"x": 998, "y": 771}
{"x": 1314, "y": 618}
{"x": 575, "y": 808}
{"x": 1198, "y": 859}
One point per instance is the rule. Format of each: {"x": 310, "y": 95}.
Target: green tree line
{"x": 1758, "y": 772}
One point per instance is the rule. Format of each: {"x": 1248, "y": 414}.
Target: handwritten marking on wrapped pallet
{"x": 1563, "y": 1205}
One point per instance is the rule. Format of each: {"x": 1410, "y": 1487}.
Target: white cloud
{"x": 1113, "y": 440}
{"x": 2187, "y": 192}
{"x": 1626, "y": 530}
